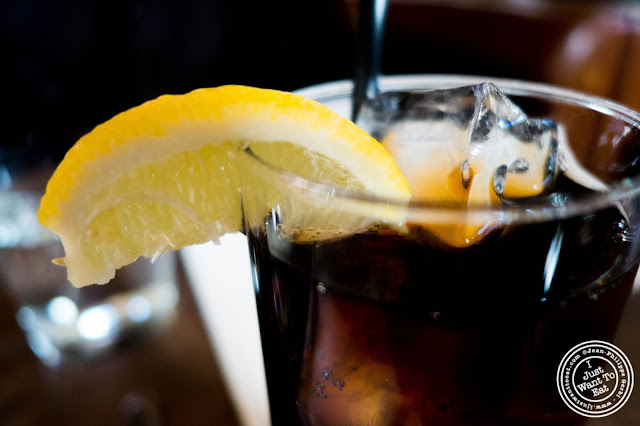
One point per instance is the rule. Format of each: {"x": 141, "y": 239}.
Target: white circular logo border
{"x": 577, "y": 350}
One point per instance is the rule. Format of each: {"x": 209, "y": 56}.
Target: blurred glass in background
{"x": 63, "y": 324}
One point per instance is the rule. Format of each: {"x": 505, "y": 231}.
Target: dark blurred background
{"x": 71, "y": 64}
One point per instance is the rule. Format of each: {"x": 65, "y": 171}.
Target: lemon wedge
{"x": 163, "y": 175}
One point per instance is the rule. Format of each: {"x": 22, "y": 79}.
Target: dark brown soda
{"x": 383, "y": 328}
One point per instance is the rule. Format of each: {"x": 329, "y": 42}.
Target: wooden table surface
{"x": 168, "y": 378}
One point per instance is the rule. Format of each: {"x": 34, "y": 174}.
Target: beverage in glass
{"x": 368, "y": 315}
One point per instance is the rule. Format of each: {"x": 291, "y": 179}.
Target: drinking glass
{"x": 367, "y": 317}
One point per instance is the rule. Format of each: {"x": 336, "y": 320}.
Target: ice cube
{"x": 467, "y": 146}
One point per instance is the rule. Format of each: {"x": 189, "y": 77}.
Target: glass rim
{"x": 531, "y": 212}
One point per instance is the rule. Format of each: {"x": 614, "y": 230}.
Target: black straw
{"x": 371, "y": 22}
